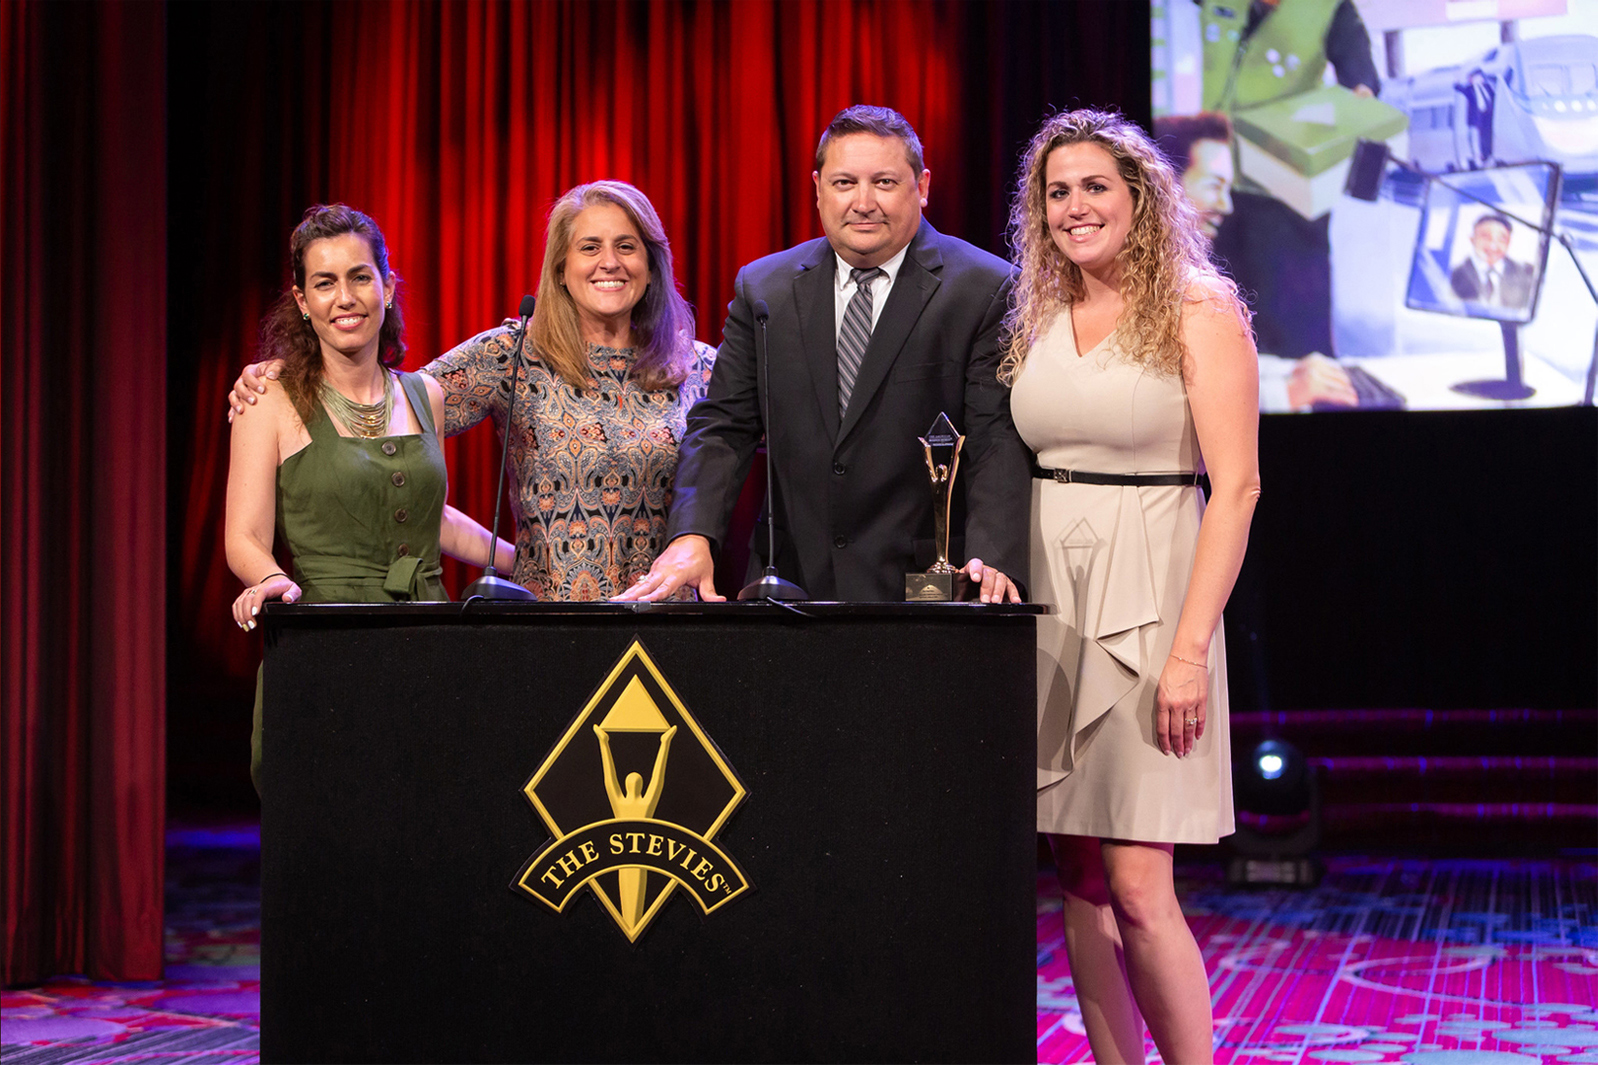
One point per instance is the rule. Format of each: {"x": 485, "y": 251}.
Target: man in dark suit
{"x": 873, "y": 331}
{"x": 1487, "y": 276}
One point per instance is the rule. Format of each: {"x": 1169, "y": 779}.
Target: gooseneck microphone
{"x": 769, "y": 586}
{"x": 491, "y": 585}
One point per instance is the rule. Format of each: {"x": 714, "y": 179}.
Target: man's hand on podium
{"x": 686, "y": 561}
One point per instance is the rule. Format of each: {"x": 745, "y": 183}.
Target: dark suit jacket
{"x": 852, "y": 495}
{"x": 1514, "y": 293}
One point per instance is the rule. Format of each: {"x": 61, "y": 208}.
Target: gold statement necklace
{"x": 365, "y": 420}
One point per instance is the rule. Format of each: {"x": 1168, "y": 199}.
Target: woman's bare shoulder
{"x": 1210, "y": 291}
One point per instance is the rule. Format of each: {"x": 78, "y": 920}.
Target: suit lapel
{"x": 919, "y": 277}
{"x": 818, "y": 332}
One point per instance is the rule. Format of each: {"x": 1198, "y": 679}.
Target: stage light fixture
{"x": 1270, "y": 765}
{"x": 1276, "y": 781}
{"x": 1279, "y": 824}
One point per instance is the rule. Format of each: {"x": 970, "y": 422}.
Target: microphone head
{"x": 1365, "y": 170}
{"x": 762, "y": 312}
{"x": 528, "y": 303}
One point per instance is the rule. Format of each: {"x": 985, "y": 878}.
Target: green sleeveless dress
{"x": 361, "y": 518}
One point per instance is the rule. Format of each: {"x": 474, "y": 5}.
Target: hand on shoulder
{"x": 270, "y": 397}
{"x": 251, "y": 383}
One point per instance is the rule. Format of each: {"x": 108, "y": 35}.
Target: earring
{"x": 389, "y": 305}
{"x": 306, "y": 315}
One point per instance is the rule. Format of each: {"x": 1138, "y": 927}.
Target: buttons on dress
{"x": 398, "y": 479}
{"x": 389, "y": 447}
{"x": 402, "y": 550}
{"x": 840, "y": 541}
{"x": 839, "y": 468}
{"x": 402, "y": 515}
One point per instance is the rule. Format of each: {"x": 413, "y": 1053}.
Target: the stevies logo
{"x": 633, "y": 792}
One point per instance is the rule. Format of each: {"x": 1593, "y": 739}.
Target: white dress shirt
{"x": 1486, "y": 274}
{"x": 843, "y": 288}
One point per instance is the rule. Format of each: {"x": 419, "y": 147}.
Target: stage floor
{"x": 1427, "y": 962}
{"x": 1422, "y": 961}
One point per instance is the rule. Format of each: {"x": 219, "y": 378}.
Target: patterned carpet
{"x": 1442, "y": 962}
{"x": 206, "y": 1011}
{"x": 1427, "y": 962}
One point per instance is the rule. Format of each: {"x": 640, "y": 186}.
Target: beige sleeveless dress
{"x": 1112, "y": 562}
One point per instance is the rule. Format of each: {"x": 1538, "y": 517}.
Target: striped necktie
{"x": 854, "y": 334}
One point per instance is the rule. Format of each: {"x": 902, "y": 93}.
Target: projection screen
{"x": 1440, "y": 292}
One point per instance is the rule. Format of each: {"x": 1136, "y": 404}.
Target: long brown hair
{"x": 662, "y": 321}
{"x": 286, "y": 335}
{"x": 1165, "y": 252}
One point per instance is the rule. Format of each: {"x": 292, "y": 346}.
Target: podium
{"x": 865, "y": 769}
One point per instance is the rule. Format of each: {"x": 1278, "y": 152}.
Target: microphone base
{"x": 772, "y": 586}
{"x": 490, "y": 586}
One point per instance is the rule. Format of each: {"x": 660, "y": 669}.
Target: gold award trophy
{"x": 942, "y": 582}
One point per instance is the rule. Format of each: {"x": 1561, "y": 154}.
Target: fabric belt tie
{"x": 1140, "y": 480}
{"x": 407, "y": 576}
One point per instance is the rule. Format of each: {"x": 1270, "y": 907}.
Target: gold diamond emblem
{"x": 633, "y": 794}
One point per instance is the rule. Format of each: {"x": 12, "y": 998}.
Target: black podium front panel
{"x": 872, "y": 770}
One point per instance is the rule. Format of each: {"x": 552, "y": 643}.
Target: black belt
{"x": 1141, "y": 480}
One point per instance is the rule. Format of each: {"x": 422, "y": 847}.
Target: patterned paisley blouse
{"x": 591, "y": 469}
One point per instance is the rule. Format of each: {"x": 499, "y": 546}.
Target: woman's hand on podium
{"x": 248, "y": 605}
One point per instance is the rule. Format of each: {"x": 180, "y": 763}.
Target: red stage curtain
{"x": 456, "y": 125}
{"x": 467, "y": 120}
{"x": 82, "y": 508}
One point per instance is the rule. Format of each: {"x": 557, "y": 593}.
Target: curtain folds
{"x": 82, "y": 511}
{"x": 455, "y": 123}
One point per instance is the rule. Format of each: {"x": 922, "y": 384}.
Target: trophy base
{"x": 936, "y": 587}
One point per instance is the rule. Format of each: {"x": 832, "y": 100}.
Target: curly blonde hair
{"x": 1165, "y": 252}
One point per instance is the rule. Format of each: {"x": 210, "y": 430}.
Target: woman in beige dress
{"x": 1134, "y": 372}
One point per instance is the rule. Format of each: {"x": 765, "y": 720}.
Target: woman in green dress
{"x": 610, "y": 370}
{"x": 346, "y": 462}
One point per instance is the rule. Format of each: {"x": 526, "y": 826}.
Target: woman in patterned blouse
{"x": 611, "y": 369}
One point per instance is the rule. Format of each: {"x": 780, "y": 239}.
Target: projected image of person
{"x": 1133, "y": 372}
{"x": 1487, "y": 275}
{"x": 1256, "y": 52}
{"x": 1480, "y": 94}
{"x": 1261, "y": 50}
{"x": 343, "y": 453}
{"x": 1200, "y": 150}
{"x": 611, "y": 371}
